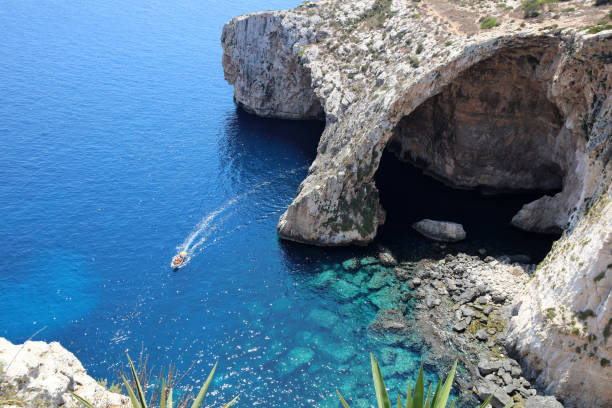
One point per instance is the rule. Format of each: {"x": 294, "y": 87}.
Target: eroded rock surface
{"x": 43, "y": 374}
{"x": 443, "y": 231}
{"x": 524, "y": 105}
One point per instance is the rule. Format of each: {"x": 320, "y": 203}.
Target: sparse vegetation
{"x": 532, "y": 8}
{"x": 114, "y": 387}
{"x": 489, "y": 22}
{"x": 607, "y": 329}
{"x": 162, "y": 395}
{"x": 414, "y": 61}
{"x": 380, "y": 11}
{"x": 599, "y": 277}
{"x": 419, "y": 48}
{"x": 446, "y": 44}
{"x": 598, "y": 28}
{"x": 417, "y": 398}
{"x": 604, "y": 362}
{"x": 550, "y": 313}
{"x": 585, "y": 314}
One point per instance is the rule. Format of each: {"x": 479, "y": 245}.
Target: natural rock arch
{"x": 493, "y": 127}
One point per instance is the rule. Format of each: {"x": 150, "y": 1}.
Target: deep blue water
{"x": 118, "y": 138}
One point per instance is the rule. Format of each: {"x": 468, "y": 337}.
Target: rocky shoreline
{"x": 455, "y": 308}
{"x": 521, "y": 103}
{"x": 464, "y": 306}
{"x": 43, "y": 375}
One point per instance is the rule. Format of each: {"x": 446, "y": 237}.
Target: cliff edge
{"x": 38, "y": 374}
{"x": 479, "y": 97}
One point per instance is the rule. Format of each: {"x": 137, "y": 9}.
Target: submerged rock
{"x": 443, "y": 231}
{"x": 294, "y": 359}
{"x": 389, "y": 320}
{"x": 324, "y": 279}
{"x": 351, "y": 264}
{"x": 323, "y": 318}
{"x": 379, "y": 280}
{"x": 345, "y": 290}
{"x": 368, "y": 260}
{"x": 386, "y": 298}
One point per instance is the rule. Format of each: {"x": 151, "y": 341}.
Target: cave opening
{"x": 475, "y": 153}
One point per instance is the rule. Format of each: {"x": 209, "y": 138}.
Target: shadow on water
{"x": 250, "y": 142}
{"x": 408, "y": 196}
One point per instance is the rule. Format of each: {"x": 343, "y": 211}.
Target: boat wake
{"x": 200, "y": 238}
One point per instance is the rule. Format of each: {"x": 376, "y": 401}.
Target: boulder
{"x": 432, "y": 301}
{"x": 482, "y": 335}
{"x": 461, "y": 325}
{"x": 389, "y": 320}
{"x": 443, "y": 231}
{"x": 401, "y": 274}
{"x": 386, "y": 258}
{"x": 486, "y": 366}
{"x": 539, "y": 401}
{"x": 485, "y": 388}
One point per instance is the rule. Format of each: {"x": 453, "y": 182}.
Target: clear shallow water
{"x": 118, "y": 137}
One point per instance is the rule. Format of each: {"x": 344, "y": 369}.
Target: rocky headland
{"x": 478, "y": 96}
{"x": 43, "y": 375}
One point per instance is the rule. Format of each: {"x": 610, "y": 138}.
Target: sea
{"x": 120, "y": 145}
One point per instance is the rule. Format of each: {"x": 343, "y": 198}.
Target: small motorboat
{"x": 179, "y": 260}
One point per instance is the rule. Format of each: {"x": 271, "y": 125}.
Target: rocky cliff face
{"x": 38, "y": 374}
{"x": 523, "y": 105}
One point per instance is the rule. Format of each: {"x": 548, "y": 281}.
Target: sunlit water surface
{"x": 120, "y": 142}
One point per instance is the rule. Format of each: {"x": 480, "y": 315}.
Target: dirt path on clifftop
{"x": 461, "y": 22}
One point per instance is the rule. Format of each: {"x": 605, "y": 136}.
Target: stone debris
{"x": 376, "y": 74}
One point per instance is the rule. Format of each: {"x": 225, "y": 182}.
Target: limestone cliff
{"x": 40, "y": 374}
{"x": 503, "y": 103}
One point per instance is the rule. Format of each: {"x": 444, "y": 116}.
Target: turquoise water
{"x": 119, "y": 143}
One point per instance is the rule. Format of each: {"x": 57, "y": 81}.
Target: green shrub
{"x": 419, "y": 48}
{"x": 418, "y": 398}
{"x": 489, "y": 22}
{"x": 584, "y": 314}
{"x": 599, "y": 28}
{"x": 414, "y": 61}
{"x": 137, "y": 392}
{"x": 532, "y": 8}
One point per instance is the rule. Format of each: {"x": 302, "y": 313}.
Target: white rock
{"x": 443, "y": 231}
{"x": 48, "y": 372}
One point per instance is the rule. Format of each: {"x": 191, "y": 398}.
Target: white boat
{"x": 179, "y": 260}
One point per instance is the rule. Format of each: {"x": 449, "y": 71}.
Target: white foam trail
{"x": 210, "y": 230}
{"x": 209, "y": 223}
{"x": 239, "y": 227}
{"x": 210, "y": 217}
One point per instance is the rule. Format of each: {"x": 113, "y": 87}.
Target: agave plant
{"x": 416, "y": 398}
{"x": 138, "y": 397}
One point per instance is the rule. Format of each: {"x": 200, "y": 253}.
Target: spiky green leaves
{"x": 416, "y": 398}
{"x": 138, "y": 397}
